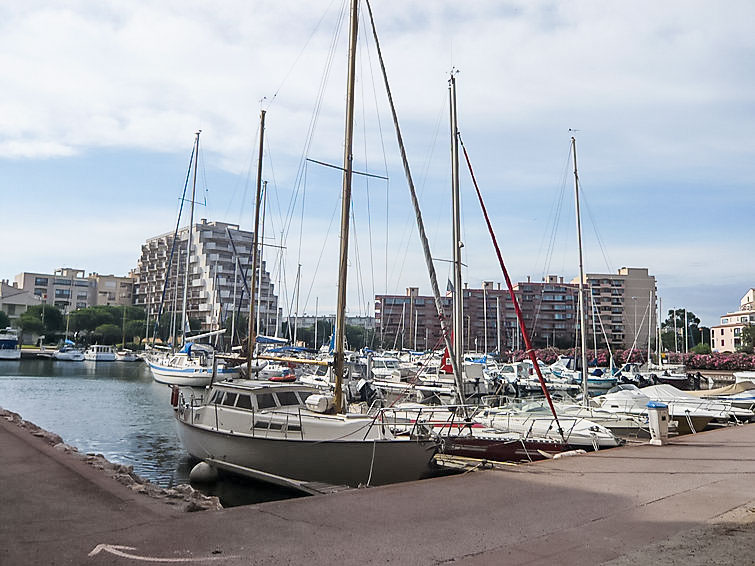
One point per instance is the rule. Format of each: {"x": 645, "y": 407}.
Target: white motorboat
{"x": 691, "y": 417}
{"x": 279, "y": 432}
{"x": 9, "y": 348}
{"x": 190, "y": 367}
{"x": 740, "y": 394}
{"x": 535, "y": 419}
{"x": 68, "y": 353}
{"x": 126, "y": 356}
{"x": 726, "y": 409}
{"x": 100, "y": 353}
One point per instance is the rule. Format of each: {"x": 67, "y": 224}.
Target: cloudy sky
{"x": 100, "y": 102}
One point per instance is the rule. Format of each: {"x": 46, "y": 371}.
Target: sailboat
{"x": 194, "y": 365}
{"x": 292, "y": 433}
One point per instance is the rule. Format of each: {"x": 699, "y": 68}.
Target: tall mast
{"x": 184, "y": 316}
{"x": 255, "y": 243}
{"x": 262, "y": 255}
{"x": 585, "y": 391}
{"x": 340, "y": 330}
{"x": 458, "y": 293}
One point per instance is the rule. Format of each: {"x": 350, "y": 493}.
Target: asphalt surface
{"x": 627, "y": 505}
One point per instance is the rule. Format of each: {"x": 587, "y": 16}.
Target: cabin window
{"x": 230, "y": 399}
{"x": 265, "y": 401}
{"x": 215, "y": 396}
{"x": 287, "y": 398}
{"x": 303, "y": 395}
{"x": 244, "y": 402}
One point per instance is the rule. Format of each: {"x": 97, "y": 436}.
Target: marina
{"x": 688, "y": 498}
{"x": 327, "y": 339}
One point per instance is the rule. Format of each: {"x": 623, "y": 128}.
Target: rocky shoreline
{"x": 183, "y": 497}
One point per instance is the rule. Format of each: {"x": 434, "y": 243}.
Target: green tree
{"x": 748, "y": 339}
{"x": 42, "y": 319}
{"x": 4, "y": 320}
{"x": 701, "y": 348}
{"x": 107, "y": 333}
{"x": 675, "y": 320}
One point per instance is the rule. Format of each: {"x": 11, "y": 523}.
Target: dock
{"x": 689, "y": 500}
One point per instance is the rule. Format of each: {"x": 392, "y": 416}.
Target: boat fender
{"x": 319, "y": 403}
{"x": 174, "y": 395}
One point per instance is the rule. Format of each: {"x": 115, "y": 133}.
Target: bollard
{"x": 658, "y": 421}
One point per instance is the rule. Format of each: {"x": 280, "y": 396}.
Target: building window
{"x": 62, "y": 293}
{"x": 81, "y": 296}
{"x": 722, "y": 343}
{"x": 737, "y": 331}
{"x": 40, "y": 292}
{"x": 40, "y": 281}
{"x": 62, "y": 281}
{"x": 722, "y": 333}
{"x": 81, "y": 305}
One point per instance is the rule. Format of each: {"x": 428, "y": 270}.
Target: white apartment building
{"x": 727, "y": 336}
{"x": 220, "y": 256}
{"x": 70, "y": 289}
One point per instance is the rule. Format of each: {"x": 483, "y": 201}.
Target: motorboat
{"x": 276, "y": 372}
{"x": 68, "y": 353}
{"x": 99, "y": 353}
{"x": 690, "y": 416}
{"x": 741, "y": 394}
{"x": 289, "y": 432}
{"x": 193, "y": 366}
{"x": 535, "y": 419}
{"x": 9, "y": 348}
{"x": 126, "y": 356}
{"x": 725, "y": 409}
{"x": 465, "y": 437}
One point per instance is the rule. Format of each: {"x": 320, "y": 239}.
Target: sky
{"x": 101, "y": 101}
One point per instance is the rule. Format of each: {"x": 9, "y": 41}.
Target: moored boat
{"x": 9, "y": 348}
{"x": 279, "y": 432}
{"x": 99, "y": 353}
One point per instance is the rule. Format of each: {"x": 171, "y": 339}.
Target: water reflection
{"x": 117, "y": 410}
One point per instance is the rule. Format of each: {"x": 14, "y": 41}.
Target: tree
{"x": 42, "y": 319}
{"x": 4, "y": 320}
{"x": 748, "y": 339}
{"x": 675, "y": 320}
{"x": 107, "y": 333}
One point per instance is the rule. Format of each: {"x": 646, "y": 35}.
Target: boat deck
{"x": 611, "y": 505}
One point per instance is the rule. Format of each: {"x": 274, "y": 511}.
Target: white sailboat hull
{"x": 337, "y": 462}
{"x": 188, "y": 376}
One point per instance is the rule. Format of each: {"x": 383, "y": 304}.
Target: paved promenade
{"x": 685, "y": 503}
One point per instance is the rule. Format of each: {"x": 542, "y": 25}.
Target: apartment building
{"x": 15, "y": 301}
{"x": 70, "y": 289}
{"x": 727, "y": 336}
{"x": 490, "y": 324}
{"x": 219, "y": 276}
{"x": 624, "y": 309}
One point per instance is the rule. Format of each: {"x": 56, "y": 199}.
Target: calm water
{"x": 117, "y": 410}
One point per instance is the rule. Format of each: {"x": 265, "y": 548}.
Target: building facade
{"x": 624, "y": 308}
{"x": 15, "y": 301}
{"x": 219, "y": 276}
{"x": 490, "y": 324}
{"x": 727, "y": 336}
{"x": 70, "y": 289}
{"x": 623, "y": 312}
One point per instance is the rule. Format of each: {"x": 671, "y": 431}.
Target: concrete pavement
{"x": 582, "y": 510}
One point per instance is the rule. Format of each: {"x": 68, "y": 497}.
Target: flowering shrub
{"x": 715, "y": 361}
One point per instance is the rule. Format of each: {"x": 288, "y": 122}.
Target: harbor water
{"x": 115, "y": 409}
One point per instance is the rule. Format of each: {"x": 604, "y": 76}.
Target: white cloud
{"x": 661, "y": 91}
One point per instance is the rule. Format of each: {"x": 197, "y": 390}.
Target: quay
{"x": 689, "y": 502}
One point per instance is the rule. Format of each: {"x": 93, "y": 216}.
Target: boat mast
{"x": 585, "y": 389}
{"x": 262, "y": 254}
{"x": 255, "y": 240}
{"x": 458, "y": 293}
{"x": 184, "y": 316}
{"x": 340, "y": 330}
